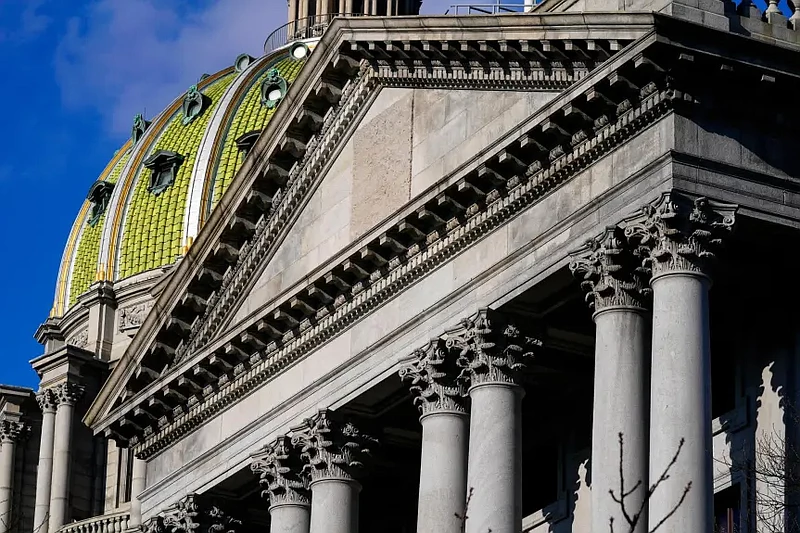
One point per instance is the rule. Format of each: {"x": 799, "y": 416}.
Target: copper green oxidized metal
{"x": 273, "y": 82}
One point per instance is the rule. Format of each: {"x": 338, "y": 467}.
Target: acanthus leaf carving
{"x": 610, "y": 273}
{"x": 189, "y": 515}
{"x": 680, "y": 234}
{"x": 491, "y": 349}
{"x": 13, "y": 430}
{"x": 132, "y": 316}
{"x": 331, "y": 447}
{"x": 281, "y": 473}
{"x": 433, "y": 377}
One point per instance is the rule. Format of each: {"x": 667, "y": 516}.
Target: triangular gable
{"x": 281, "y": 183}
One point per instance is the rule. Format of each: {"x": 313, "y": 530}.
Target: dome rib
{"x": 153, "y": 225}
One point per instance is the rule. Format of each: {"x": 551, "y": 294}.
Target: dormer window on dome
{"x": 163, "y": 166}
{"x": 99, "y": 195}
{"x": 194, "y": 103}
{"x": 273, "y": 89}
{"x": 140, "y": 125}
{"x": 246, "y": 141}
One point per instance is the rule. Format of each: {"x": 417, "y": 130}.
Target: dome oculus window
{"x": 163, "y": 166}
{"x": 140, "y": 125}
{"x": 246, "y": 141}
{"x": 99, "y": 195}
{"x": 299, "y": 51}
{"x": 194, "y": 103}
{"x": 273, "y": 89}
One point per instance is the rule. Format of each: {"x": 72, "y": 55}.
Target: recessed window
{"x": 299, "y": 51}
{"x": 140, "y": 125}
{"x": 99, "y": 195}
{"x": 246, "y": 141}
{"x": 163, "y": 166}
{"x": 194, "y": 103}
{"x": 273, "y": 89}
{"x": 242, "y": 62}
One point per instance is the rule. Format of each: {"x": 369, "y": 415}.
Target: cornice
{"x": 592, "y": 118}
{"x": 319, "y": 86}
{"x": 412, "y": 261}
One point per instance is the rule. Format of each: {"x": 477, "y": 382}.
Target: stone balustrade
{"x": 110, "y": 523}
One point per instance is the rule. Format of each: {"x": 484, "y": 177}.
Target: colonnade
{"x": 648, "y": 280}
{"x": 55, "y": 455}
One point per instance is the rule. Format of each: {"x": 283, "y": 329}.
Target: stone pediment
{"x": 179, "y": 371}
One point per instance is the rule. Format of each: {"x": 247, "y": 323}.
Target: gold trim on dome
{"x": 130, "y": 180}
{"x": 68, "y": 260}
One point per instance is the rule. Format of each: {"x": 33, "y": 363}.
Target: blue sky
{"x": 74, "y": 75}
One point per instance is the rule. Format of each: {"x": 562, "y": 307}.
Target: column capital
{"x": 610, "y": 273}
{"x": 434, "y": 379}
{"x": 490, "y": 349}
{"x": 189, "y": 516}
{"x": 13, "y": 431}
{"x": 331, "y": 447}
{"x": 680, "y": 234}
{"x": 281, "y": 473}
{"x": 68, "y": 393}
{"x": 47, "y": 400}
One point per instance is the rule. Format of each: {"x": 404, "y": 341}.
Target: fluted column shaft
{"x": 44, "y": 473}
{"x": 617, "y": 288}
{"x": 138, "y": 484}
{"x": 10, "y": 433}
{"x": 439, "y": 394}
{"x": 680, "y": 236}
{"x": 67, "y": 394}
{"x": 491, "y": 354}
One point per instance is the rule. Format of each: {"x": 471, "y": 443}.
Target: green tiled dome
{"x": 144, "y": 228}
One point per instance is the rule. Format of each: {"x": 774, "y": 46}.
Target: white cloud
{"x": 22, "y": 20}
{"x": 123, "y": 57}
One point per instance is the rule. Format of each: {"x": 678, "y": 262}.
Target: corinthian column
{"x": 617, "y": 291}
{"x": 11, "y": 432}
{"x": 491, "y": 354}
{"x": 44, "y": 473}
{"x": 67, "y": 395}
{"x": 281, "y": 474}
{"x": 138, "y": 484}
{"x": 445, "y": 432}
{"x": 678, "y": 237}
{"x": 333, "y": 451}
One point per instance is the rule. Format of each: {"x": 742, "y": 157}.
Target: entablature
{"x": 174, "y": 378}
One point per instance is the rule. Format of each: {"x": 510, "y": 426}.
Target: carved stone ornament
{"x": 68, "y": 393}
{"x": 13, "y": 431}
{"x": 79, "y": 339}
{"x": 140, "y": 125}
{"x": 194, "y": 103}
{"x": 132, "y": 317}
{"x": 490, "y": 349}
{"x": 679, "y": 234}
{"x": 434, "y": 379}
{"x": 281, "y": 473}
{"x": 189, "y": 515}
{"x": 332, "y": 448}
{"x": 273, "y": 89}
{"x": 610, "y": 273}
{"x": 47, "y": 400}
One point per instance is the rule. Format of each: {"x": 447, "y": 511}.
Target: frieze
{"x": 79, "y": 339}
{"x": 131, "y": 317}
{"x": 520, "y": 191}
